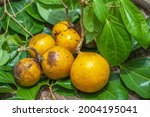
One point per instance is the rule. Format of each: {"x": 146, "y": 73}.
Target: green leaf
{"x": 16, "y": 57}
{"x": 47, "y": 30}
{"x": 136, "y": 76}
{"x": 30, "y": 93}
{"x": 64, "y": 87}
{"x": 2, "y": 40}
{"x": 148, "y": 22}
{"x": 91, "y": 23}
{"x": 89, "y": 36}
{"x": 65, "y": 92}
{"x": 6, "y": 77}
{"x": 100, "y": 9}
{"x": 4, "y": 57}
{"x": 71, "y": 4}
{"x": 32, "y": 11}
{"x": 108, "y": 1}
{"x": 52, "y": 14}
{"x": 135, "y": 44}
{"x": 65, "y": 83}
{"x": 135, "y": 22}
{"x": 6, "y": 68}
{"x": 52, "y": 2}
{"x": 11, "y": 43}
{"x": 33, "y": 26}
{"x": 114, "y": 42}
{"x": 139, "y": 63}
{"x": 5, "y": 88}
{"x": 114, "y": 90}
{"x": 3, "y": 21}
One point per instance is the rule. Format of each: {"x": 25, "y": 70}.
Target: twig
{"x": 25, "y": 7}
{"x": 12, "y": 17}
{"x": 5, "y": 8}
{"x": 11, "y": 8}
{"x": 66, "y": 8}
{"x": 19, "y": 24}
{"x": 67, "y": 11}
{"x": 51, "y": 90}
{"x": 87, "y": 3}
{"x": 79, "y": 46}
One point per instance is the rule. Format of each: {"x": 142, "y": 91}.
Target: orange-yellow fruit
{"x": 41, "y": 42}
{"x": 60, "y": 27}
{"x": 27, "y": 72}
{"x": 68, "y": 39}
{"x": 57, "y": 62}
{"x": 89, "y": 72}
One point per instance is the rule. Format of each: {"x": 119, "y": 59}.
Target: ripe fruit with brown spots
{"x": 60, "y": 27}
{"x": 68, "y": 39}
{"x": 89, "y": 72}
{"x": 66, "y": 36}
{"x": 41, "y": 42}
{"x": 27, "y": 72}
{"x": 57, "y": 62}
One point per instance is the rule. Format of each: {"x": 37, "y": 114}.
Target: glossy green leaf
{"x": 47, "y": 30}
{"x": 2, "y": 40}
{"x": 32, "y": 11}
{"x": 71, "y": 4}
{"x": 65, "y": 92}
{"x": 6, "y": 68}
{"x": 91, "y": 23}
{"x": 9, "y": 42}
{"x": 108, "y": 1}
{"x": 52, "y": 14}
{"x": 30, "y": 93}
{"x": 135, "y": 22}
{"x": 136, "y": 76}
{"x": 24, "y": 19}
{"x": 50, "y": 2}
{"x": 16, "y": 57}
{"x": 100, "y": 9}
{"x": 114, "y": 42}
{"x": 114, "y": 90}
{"x": 4, "y": 57}
{"x": 6, "y": 77}
{"x": 65, "y": 83}
{"x": 5, "y": 88}
{"x": 33, "y": 26}
{"x": 148, "y": 22}
{"x": 89, "y": 36}
{"x": 3, "y": 20}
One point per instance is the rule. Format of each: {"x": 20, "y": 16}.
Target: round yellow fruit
{"x": 89, "y": 72}
{"x": 57, "y": 62}
{"x": 60, "y": 27}
{"x": 68, "y": 39}
{"x": 41, "y": 42}
{"x": 27, "y": 72}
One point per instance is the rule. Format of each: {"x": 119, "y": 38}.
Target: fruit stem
{"x": 38, "y": 57}
{"x": 79, "y": 46}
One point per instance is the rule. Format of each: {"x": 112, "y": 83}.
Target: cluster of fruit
{"x": 89, "y": 72}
